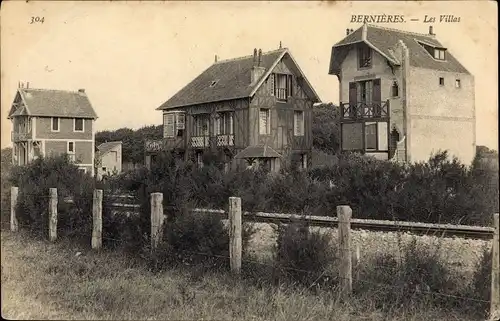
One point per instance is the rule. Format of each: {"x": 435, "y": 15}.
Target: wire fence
{"x": 384, "y": 272}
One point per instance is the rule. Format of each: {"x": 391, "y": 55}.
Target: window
{"x": 395, "y": 89}
{"x": 271, "y": 81}
{"x": 201, "y": 123}
{"x": 264, "y": 122}
{"x": 174, "y": 124}
{"x": 55, "y": 124}
{"x": 364, "y": 56}
{"x": 283, "y": 86}
{"x": 304, "y": 161}
{"x": 298, "y": 121}
{"x": 371, "y": 136}
{"x": 441, "y": 81}
{"x": 457, "y": 83}
{"x": 223, "y": 124}
{"x": 71, "y": 150}
{"x": 439, "y": 54}
{"x": 78, "y": 125}
{"x": 365, "y": 92}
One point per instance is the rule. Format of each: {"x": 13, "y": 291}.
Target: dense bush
{"x": 417, "y": 276}
{"x": 197, "y": 239}
{"x": 304, "y": 256}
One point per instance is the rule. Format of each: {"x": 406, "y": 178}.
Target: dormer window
{"x": 173, "y": 124}
{"x": 364, "y": 56}
{"x": 439, "y": 54}
{"x": 213, "y": 83}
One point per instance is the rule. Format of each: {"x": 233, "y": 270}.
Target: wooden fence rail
{"x": 343, "y": 221}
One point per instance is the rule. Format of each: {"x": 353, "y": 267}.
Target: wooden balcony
{"x": 20, "y": 136}
{"x": 153, "y": 145}
{"x": 200, "y": 141}
{"x": 364, "y": 111}
{"x": 225, "y": 140}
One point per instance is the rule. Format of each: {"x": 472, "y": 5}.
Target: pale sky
{"x": 132, "y": 56}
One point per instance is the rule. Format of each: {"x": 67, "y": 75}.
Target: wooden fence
{"x": 344, "y": 222}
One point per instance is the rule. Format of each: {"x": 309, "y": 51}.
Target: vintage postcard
{"x": 379, "y": 110}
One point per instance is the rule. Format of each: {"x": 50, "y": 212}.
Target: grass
{"x": 41, "y": 280}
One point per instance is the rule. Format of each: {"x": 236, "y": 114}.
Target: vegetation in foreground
{"x": 64, "y": 281}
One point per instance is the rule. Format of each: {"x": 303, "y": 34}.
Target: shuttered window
{"x": 298, "y": 123}
{"x": 169, "y": 125}
{"x": 371, "y": 136}
{"x": 264, "y": 122}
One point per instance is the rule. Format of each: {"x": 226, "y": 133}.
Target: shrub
{"x": 34, "y": 181}
{"x": 418, "y": 276}
{"x": 303, "y": 256}
{"x": 191, "y": 238}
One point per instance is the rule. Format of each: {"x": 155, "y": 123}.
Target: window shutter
{"x": 231, "y": 124}
{"x": 376, "y": 91}
{"x": 272, "y": 86}
{"x": 353, "y": 93}
{"x": 264, "y": 121}
{"x": 290, "y": 91}
{"x": 168, "y": 125}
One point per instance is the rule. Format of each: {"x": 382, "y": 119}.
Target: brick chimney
{"x": 257, "y": 70}
{"x": 431, "y": 31}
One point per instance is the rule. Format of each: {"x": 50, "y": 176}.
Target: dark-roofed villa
{"x": 403, "y": 95}
{"x": 253, "y": 110}
{"x": 50, "y": 122}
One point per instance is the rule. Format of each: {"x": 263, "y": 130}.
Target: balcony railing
{"x": 225, "y": 140}
{"x": 200, "y": 141}
{"x": 17, "y": 136}
{"x": 363, "y": 110}
{"x": 153, "y": 145}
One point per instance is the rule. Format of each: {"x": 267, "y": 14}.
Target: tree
{"x": 326, "y": 128}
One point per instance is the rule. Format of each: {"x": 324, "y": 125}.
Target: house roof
{"x": 53, "y": 103}
{"x": 108, "y": 146}
{"x": 262, "y": 151}
{"x": 384, "y": 40}
{"x": 232, "y": 81}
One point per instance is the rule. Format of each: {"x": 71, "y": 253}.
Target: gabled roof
{"x": 231, "y": 79}
{"x": 52, "y": 103}
{"x": 107, "y": 146}
{"x": 384, "y": 40}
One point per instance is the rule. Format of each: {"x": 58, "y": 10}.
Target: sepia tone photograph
{"x": 253, "y": 160}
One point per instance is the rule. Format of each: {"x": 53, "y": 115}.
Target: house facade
{"x": 110, "y": 159}
{"x": 403, "y": 96}
{"x": 53, "y": 122}
{"x": 254, "y": 110}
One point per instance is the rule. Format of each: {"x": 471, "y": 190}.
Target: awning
{"x": 258, "y": 152}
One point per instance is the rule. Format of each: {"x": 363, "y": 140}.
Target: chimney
{"x": 82, "y": 91}
{"x": 216, "y": 58}
{"x": 431, "y": 31}
{"x": 257, "y": 71}
{"x": 280, "y": 45}
{"x": 347, "y": 32}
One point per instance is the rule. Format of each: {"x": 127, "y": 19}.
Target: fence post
{"x": 495, "y": 271}
{"x": 235, "y": 234}
{"x": 14, "y": 226}
{"x": 97, "y": 219}
{"x": 53, "y": 214}
{"x": 156, "y": 219}
{"x": 344, "y": 214}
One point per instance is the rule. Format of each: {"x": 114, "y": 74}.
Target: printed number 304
{"x": 37, "y": 20}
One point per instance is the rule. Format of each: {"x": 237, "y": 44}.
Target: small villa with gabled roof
{"x": 252, "y": 110}
{"x": 49, "y": 122}
{"x": 110, "y": 158}
{"x": 403, "y": 95}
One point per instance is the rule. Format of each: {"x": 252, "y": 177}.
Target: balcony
{"x": 153, "y": 145}
{"x": 363, "y": 110}
{"x": 200, "y": 141}
{"x": 225, "y": 140}
{"x": 20, "y": 136}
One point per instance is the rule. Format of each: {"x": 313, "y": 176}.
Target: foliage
{"x": 303, "y": 256}
{"x": 6, "y": 164}
{"x": 326, "y": 128}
